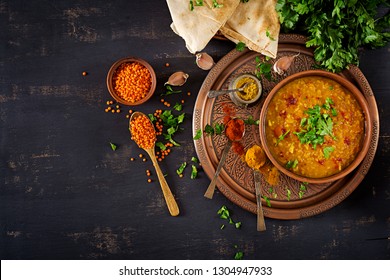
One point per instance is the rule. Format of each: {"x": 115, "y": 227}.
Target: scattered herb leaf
{"x": 268, "y": 34}
{"x": 198, "y": 134}
{"x": 169, "y": 91}
{"x": 219, "y": 128}
{"x": 302, "y": 189}
{"x": 180, "y": 170}
{"x": 292, "y": 164}
{"x": 178, "y": 106}
{"x": 161, "y": 146}
{"x": 113, "y": 146}
{"x": 327, "y": 151}
{"x": 251, "y": 121}
{"x": 281, "y": 137}
{"x": 216, "y": 5}
{"x": 288, "y": 193}
{"x": 267, "y": 200}
{"x": 263, "y": 68}
{"x": 240, "y": 46}
{"x": 194, "y": 172}
{"x": 238, "y": 255}
{"x": 195, "y": 159}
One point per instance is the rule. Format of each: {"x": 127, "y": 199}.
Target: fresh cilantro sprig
{"x": 263, "y": 69}
{"x": 169, "y": 91}
{"x": 210, "y": 130}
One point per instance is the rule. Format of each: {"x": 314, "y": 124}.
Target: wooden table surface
{"x": 65, "y": 194}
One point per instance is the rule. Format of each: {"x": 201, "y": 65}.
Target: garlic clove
{"x": 204, "y": 61}
{"x": 177, "y": 79}
{"x": 283, "y": 63}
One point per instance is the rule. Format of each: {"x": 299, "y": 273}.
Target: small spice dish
{"x": 250, "y": 94}
{"x": 131, "y": 81}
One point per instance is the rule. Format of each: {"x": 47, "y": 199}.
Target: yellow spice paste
{"x": 250, "y": 91}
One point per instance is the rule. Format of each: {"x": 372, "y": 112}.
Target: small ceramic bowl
{"x": 237, "y": 97}
{"x": 361, "y": 151}
{"x": 145, "y": 94}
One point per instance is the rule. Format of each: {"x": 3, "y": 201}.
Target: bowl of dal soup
{"x": 315, "y": 126}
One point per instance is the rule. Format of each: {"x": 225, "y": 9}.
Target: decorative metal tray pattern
{"x": 287, "y": 200}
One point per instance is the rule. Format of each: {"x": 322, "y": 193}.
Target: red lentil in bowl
{"x": 315, "y": 126}
{"x": 131, "y": 81}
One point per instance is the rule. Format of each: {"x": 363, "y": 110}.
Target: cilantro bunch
{"x": 337, "y": 29}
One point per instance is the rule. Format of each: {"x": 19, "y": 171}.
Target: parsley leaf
{"x": 281, "y": 137}
{"x": 327, "y": 151}
{"x": 169, "y": 91}
{"x": 240, "y": 46}
{"x": 263, "y": 68}
{"x": 181, "y": 168}
{"x": 194, "y": 172}
{"x": 292, "y": 164}
{"x": 198, "y": 134}
{"x": 113, "y": 146}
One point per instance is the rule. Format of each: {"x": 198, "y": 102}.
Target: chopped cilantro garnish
{"x": 327, "y": 151}
{"x": 169, "y": 91}
{"x": 281, "y": 137}
{"x": 267, "y": 200}
{"x": 292, "y": 164}
{"x": 161, "y": 146}
{"x": 263, "y": 68}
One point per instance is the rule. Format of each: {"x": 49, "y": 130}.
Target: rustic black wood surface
{"x": 64, "y": 194}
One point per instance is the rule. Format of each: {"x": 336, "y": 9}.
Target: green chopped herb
{"x": 244, "y": 1}
{"x": 268, "y": 34}
{"x": 334, "y": 112}
{"x": 198, "y": 134}
{"x": 208, "y": 129}
{"x": 302, "y": 190}
{"x": 198, "y": 2}
{"x": 238, "y": 255}
{"x": 216, "y": 5}
{"x": 222, "y": 226}
{"x": 292, "y": 164}
{"x": 267, "y": 200}
{"x": 327, "y": 151}
{"x": 223, "y": 212}
{"x": 316, "y": 126}
{"x": 251, "y": 121}
{"x": 219, "y": 128}
{"x": 169, "y": 91}
{"x": 281, "y": 137}
{"x": 191, "y": 5}
{"x": 161, "y": 146}
{"x": 152, "y": 118}
{"x": 240, "y": 46}
{"x": 113, "y": 146}
{"x": 195, "y": 159}
{"x": 263, "y": 68}
{"x": 194, "y": 172}
{"x": 288, "y": 193}
{"x": 181, "y": 168}
{"x": 178, "y": 106}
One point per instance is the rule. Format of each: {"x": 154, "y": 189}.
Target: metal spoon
{"x": 215, "y": 93}
{"x": 169, "y": 199}
{"x": 255, "y": 164}
{"x": 211, "y": 188}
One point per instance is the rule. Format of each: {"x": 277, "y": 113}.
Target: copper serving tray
{"x": 236, "y": 178}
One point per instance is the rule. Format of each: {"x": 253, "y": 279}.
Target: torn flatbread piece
{"x": 256, "y": 24}
{"x": 197, "y": 26}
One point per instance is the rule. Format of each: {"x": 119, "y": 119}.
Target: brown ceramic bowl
{"x": 366, "y": 138}
{"x": 114, "y": 70}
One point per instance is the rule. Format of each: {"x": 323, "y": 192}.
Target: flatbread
{"x": 198, "y": 26}
{"x": 256, "y": 24}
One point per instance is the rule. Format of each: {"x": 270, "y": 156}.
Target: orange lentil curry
{"x": 143, "y": 132}
{"x": 132, "y": 81}
{"x": 314, "y": 127}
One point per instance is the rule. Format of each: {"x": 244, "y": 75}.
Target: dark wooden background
{"x": 64, "y": 194}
